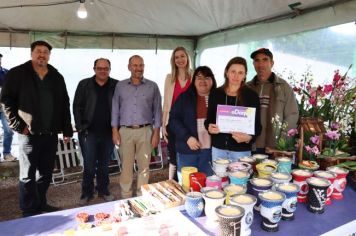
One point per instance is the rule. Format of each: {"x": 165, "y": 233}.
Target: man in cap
{"x": 36, "y": 103}
{"x": 276, "y": 98}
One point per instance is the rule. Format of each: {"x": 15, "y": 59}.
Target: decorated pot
{"x": 258, "y": 185}
{"x": 279, "y": 178}
{"x": 239, "y": 177}
{"x": 213, "y": 199}
{"x": 290, "y": 203}
{"x": 229, "y": 218}
{"x": 194, "y": 204}
{"x": 213, "y": 181}
{"x": 242, "y": 166}
{"x": 250, "y": 160}
{"x": 197, "y": 181}
{"x": 299, "y": 178}
{"x": 284, "y": 165}
{"x": 271, "y": 209}
{"x": 265, "y": 169}
{"x": 329, "y": 176}
{"x": 247, "y": 202}
{"x": 270, "y": 161}
{"x": 220, "y": 167}
{"x": 340, "y": 181}
{"x": 186, "y": 171}
{"x": 232, "y": 189}
{"x": 317, "y": 194}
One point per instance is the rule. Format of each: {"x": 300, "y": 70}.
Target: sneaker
{"x": 107, "y": 197}
{"x": 9, "y": 157}
{"x": 84, "y": 200}
{"x": 49, "y": 208}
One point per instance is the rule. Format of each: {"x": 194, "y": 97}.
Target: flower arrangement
{"x": 285, "y": 140}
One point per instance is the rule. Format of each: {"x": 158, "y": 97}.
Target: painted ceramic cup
{"x": 213, "y": 199}
{"x": 186, "y": 171}
{"x": 197, "y": 181}
{"x": 247, "y": 202}
{"x": 250, "y": 160}
{"x": 258, "y": 185}
{"x": 280, "y": 178}
{"x": 213, "y": 181}
{"x": 265, "y": 169}
{"x": 194, "y": 204}
{"x": 317, "y": 194}
{"x": 260, "y": 157}
{"x": 229, "y": 218}
{"x": 329, "y": 176}
{"x": 340, "y": 181}
{"x": 242, "y": 166}
{"x": 284, "y": 165}
{"x": 271, "y": 209}
{"x": 290, "y": 203}
{"x": 299, "y": 177}
{"x": 270, "y": 161}
{"x": 239, "y": 177}
{"x": 232, "y": 189}
{"x": 220, "y": 167}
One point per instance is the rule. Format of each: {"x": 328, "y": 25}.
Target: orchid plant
{"x": 285, "y": 140}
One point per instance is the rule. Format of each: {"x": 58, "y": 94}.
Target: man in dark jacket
{"x": 92, "y": 114}
{"x": 36, "y": 103}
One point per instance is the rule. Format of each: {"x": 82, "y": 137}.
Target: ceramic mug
{"x": 299, "y": 177}
{"x": 197, "y": 181}
{"x": 247, "y": 202}
{"x": 232, "y": 189}
{"x": 265, "y": 169}
{"x": 284, "y": 165}
{"x": 290, "y": 203}
{"x": 340, "y": 181}
{"x": 239, "y": 177}
{"x": 258, "y": 185}
{"x": 214, "y": 181}
{"x": 194, "y": 204}
{"x": 271, "y": 209}
{"x": 329, "y": 176}
{"x": 229, "y": 218}
{"x": 186, "y": 171}
{"x": 317, "y": 194}
{"x": 220, "y": 167}
{"x": 213, "y": 199}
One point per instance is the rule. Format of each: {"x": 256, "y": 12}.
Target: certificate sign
{"x": 236, "y": 119}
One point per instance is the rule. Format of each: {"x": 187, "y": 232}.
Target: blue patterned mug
{"x": 194, "y": 204}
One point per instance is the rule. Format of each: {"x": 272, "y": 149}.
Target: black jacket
{"x": 85, "y": 100}
{"x": 225, "y": 141}
{"x": 20, "y": 100}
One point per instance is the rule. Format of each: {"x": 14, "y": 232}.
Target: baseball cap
{"x": 265, "y": 51}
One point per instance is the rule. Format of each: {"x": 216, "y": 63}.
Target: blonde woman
{"x": 177, "y": 82}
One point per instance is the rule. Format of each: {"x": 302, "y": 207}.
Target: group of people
{"x": 129, "y": 114}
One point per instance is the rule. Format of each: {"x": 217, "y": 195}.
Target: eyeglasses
{"x": 202, "y": 78}
{"x": 102, "y": 68}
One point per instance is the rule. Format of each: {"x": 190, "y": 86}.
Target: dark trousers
{"x": 36, "y": 153}
{"x": 96, "y": 149}
{"x": 171, "y": 146}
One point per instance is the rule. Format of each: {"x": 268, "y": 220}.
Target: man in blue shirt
{"x": 8, "y": 133}
{"x": 136, "y": 121}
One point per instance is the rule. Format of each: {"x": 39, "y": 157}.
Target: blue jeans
{"x": 230, "y": 155}
{"x": 201, "y": 160}
{"x": 8, "y": 134}
{"x": 96, "y": 150}
{"x": 36, "y": 153}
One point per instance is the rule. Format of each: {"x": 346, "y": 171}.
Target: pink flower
{"x": 333, "y": 135}
{"x": 315, "y": 139}
{"x": 328, "y": 88}
{"x": 335, "y": 125}
{"x": 308, "y": 149}
{"x": 337, "y": 76}
{"x": 312, "y": 101}
{"x": 315, "y": 150}
{"x": 292, "y": 132}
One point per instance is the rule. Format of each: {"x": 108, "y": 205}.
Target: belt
{"x": 136, "y": 126}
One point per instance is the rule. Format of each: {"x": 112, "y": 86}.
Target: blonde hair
{"x": 174, "y": 68}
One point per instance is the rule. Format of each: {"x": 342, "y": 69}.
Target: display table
{"x": 305, "y": 223}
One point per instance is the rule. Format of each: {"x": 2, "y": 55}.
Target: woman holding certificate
{"x": 187, "y": 116}
{"x": 177, "y": 82}
{"x": 233, "y": 114}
